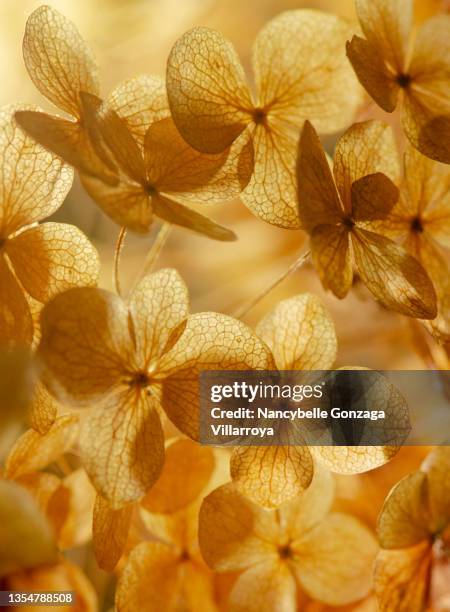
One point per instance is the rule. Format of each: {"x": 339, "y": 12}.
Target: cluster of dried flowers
{"x": 289, "y": 531}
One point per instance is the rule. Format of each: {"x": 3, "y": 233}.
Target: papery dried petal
{"x": 42, "y": 410}
{"x": 16, "y": 324}
{"x": 331, "y": 256}
{"x": 436, "y": 467}
{"x": 110, "y": 532}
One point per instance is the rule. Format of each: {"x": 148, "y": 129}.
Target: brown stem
{"x": 154, "y": 252}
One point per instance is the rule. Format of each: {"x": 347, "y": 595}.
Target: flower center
{"x": 284, "y": 551}
{"x": 417, "y": 225}
{"x": 139, "y": 379}
{"x": 403, "y": 80}
{"x": 348, "y": 223}
{"x": 150, "y": 189}
{"x": 259, "y": 116}
{"x": 184, "y": 555}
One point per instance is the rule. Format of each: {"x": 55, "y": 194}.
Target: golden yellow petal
{"x": 271, "y": 475}
{"x": 175, "y": 213}
{"x": 176, "y": 488}
{"x": 318, "y": 199}
{"x": 401, "y": 578}
{"x": 426, "y": 131}
{"x": 67, "y": 139}
{"x": 122, "y": 446}
{"x": 373, "y": 73}
{"x": 373, "y": 198}
{"x": 210, "y": 341}
{"x": 268, "y": 585}
{"x": 436, "y": 466}
{"x": 387, "y": 26}
{"x": 235, "y": 533}
{"x": 26, "y": 539}
{"x": 158, "y": 305}
{"x": 331, "y": 256}
{"x": 16, "y": 324}
{"x": 353, "y": 459}
{"x": 51, "y": 258}
{"x": 42, "y": 410}
{"x": 333, "y": 561}
{"x": 208, "y": 94}
{"x": 140, "y": 101}
{"x": 301, "y": 70}
{"x": 109, "y": 532}
{"x": 175, "y": 168}
{"x": 300, "y": 333}
{"x": 33, "y": 182}
{"x": 34, "y": 451}
{"x": 42, "y": 486}
{"x": 58, "y": 60}
{"x": 149, "y": 579}
{"x": 85, "y": 344}
{"x": 395, "y": 278}
{"x": 365, "y": 148}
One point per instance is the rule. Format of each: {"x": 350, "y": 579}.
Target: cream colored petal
{"x": 353, "y": 459}
{"x": 109, "y": 533}
{"x": 16, "y": 324}
{"x": 58, "y": 60}
{"x": 33, "y": 182}
{"x": 331, "y": 256}
{"x": 301, "y": 70}
{"x": 122, "y": 446}
{"x": 300, "y": 333}
{"x": 208, "y": 94}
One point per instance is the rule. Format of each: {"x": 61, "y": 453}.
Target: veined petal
{"x": 86, "y": 346}
{"x": 33, "y": 182}
{"x": 208, "y": 94}
{"x": 122, "y": 446}
{"x": 16, "y": 325}
{"x": 392, "y": 276}
{"x": 436, "y": 467}
{"x": 210, "y": 341}
{"x": 58, "y": 60}
{"x": 373, "y": 197}
{"x": 301, "y": 70}
{"x": 109, "y": 532}
{"x": 300, "y": 333}
{"x": 426, "y": 128}
{"x": 42, "y": 410}
{"x": 51, "y": 258}
{"x": 353, "y": 459}
{"x": 331, "y": 255}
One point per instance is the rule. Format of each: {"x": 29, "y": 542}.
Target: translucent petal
{"x": 301, "y": 70}
{"x": 300, "y": 333}
{"x": 42, "y": 410}
{"x": 109, "y": 532}
{"x": 34, "y": 451}
{"x": 373, "y": 197}
{"x": 16, "y": 325}
{"x": 436, "y": 467}
{"x": 271, "y": 475}
{"x": 122, "y": 446}
{"x": 392, "y": 276}
{"x": 426, "y": 128}
{"x": 33, "y": 182}
{"x": 210, "y": 341}
{"x": 86, "y": 346}
{"x": 353, "y": 459}
{"x": 58, "y": 60}
{"x": 208, "y": 94}
{"x": 331, "y": 256}
{"x": 51, "y": 258}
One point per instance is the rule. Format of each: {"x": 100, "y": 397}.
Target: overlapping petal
{"x": 109, "y": 532}
{"x": 16, "y": 324}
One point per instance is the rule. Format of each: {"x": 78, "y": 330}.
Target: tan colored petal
{"x": 34, "y": 451}
{"x": 373, "y": 73}
{"x": 365, "y": 148}
{"x": 16, "y": 324}
{"x": 109, "y": 532}
{"x": 353, "y": 459}
{"x": 271, "y": 475}
{"x": 331, "y": 255}
{"x": 436, "y": 466}
{"x": 175, "y": 213}
{"x": 208, "y": 94}
{"x": 158, "y": 304}
{"x": 301, "y": 70}
{"x": 42, "y": 410}
{"x": 58, "y": 60}
{"x": 42, "y": 486}
{"x": 387, "y": 26}
{"x": 401, "y": 578}
{"x": 318, "y": 199}
{"x": 176, "y": 488}
{"x": 235, "y": 533}
{"x": 300, "y": 333}
{"x": 427, "y": 129}
{"x": 373, "y": 197}
{"x": 395, "y": 278}
{"x": 210, "y": 341}
{"x": 333, "y": 561}
{"x": 173, "y": 167}
{"x": 86, "y": 345}
{"x": 33, "y": 182}
{"x": 122, "y": 446}
{"x": 51, "y": 258}
{"x": 26, "y": 539}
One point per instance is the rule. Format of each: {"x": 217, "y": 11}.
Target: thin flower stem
{"x": 154, "y": 251}
{"x": 118, "y": 250}
{"x": 244, "y": 310}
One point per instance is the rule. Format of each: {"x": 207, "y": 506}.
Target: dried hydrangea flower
{"x": 301, "y": 72}
{"x": 37, "y": 260}
{"x": 299, "y": 547}
{"x": 300, "y": 333}
{"x": 421, "y": 219}
{"x": 414, "y": 533}
{"x": 341, "y": 211}
{"x": 391, "y": 64}
{"x": 127, "y": 359}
